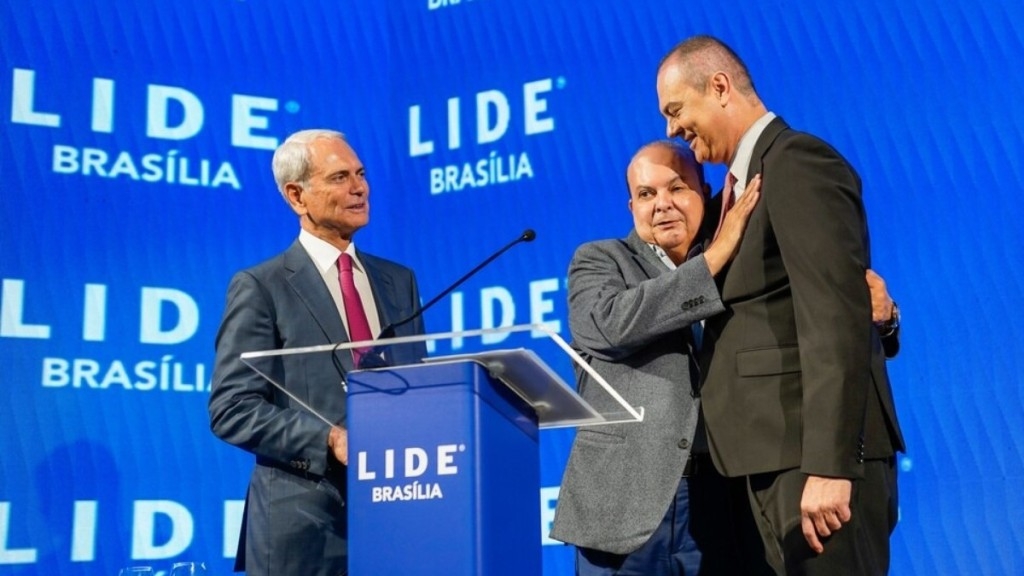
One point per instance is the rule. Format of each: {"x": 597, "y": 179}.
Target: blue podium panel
{"x": 443, "y": 474}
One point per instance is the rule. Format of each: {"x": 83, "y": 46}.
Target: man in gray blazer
{"x": 630, "y": 495}
{"x": 295, "y": 514}
{"x": 796, "y": 397}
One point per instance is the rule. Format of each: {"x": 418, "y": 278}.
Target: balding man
{"x": 643, "y": 498}
{"x": 795, "y": 396}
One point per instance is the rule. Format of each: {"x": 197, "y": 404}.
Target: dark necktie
{"x": 358, "y": 325}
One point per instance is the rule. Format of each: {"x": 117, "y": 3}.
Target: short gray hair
{"x": 291, "y": 161}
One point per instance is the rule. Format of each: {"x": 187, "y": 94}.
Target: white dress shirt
{"x": 325, "y": 257}
{"x": 741, "y": 161}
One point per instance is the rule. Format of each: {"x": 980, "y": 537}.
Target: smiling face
{"x": 696, "y": 114}
{"x": 666, "y": 199}
{"x": 334, "y": 203}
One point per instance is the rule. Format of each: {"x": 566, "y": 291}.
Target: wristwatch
{"x": 890, "y": 326}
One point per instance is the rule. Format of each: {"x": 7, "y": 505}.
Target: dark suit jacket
{"x": 794, "y": 371}
{"x": 630, "y": 316}
{"x": 295, "y": 508}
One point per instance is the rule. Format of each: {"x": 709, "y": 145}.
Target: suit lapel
{"x": 653, "y": 267}
{"x": 644, "y": 256}
{"x": 382, "y": 285}
{"x": 763, "y": 144}
{"x": 309, "y": 286}
{"x": 726, "y": 280}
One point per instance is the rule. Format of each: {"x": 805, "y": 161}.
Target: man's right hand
{"x": 337, "y": 442}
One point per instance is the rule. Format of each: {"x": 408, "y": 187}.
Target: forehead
{"x": 673, "y": 84}
{"x": 658, "y": 165}
{"x": 332, "y": 154}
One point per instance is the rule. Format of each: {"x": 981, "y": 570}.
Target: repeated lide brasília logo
{"x": 413, "y": 473}
{"x": 170, "y": 114}
{"x": 495, "y": 118}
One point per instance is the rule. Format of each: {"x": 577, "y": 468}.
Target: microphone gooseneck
{"x": 374, "y": 358}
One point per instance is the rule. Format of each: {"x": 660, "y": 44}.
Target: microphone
{"x": 375, "y": 357}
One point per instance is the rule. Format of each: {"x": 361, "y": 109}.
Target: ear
{"x": 721, "y": 87}
{"x": 293, "y": 193}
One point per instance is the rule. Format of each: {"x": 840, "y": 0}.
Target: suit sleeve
{"x": 611, "y": 320}
{"x": 891, "y": 344}
{"x": 242, "y": 405}
{"x": 814, "y": 201}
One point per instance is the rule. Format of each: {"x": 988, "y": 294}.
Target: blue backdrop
{"x": 135, "y": 144}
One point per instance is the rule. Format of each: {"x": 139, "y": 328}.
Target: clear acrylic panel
{"x": 521, "y": 369}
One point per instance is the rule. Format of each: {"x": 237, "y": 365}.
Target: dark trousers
{"x": 860, "y": 547}
{"x": 695, "y": 537}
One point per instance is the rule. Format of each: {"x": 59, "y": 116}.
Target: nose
{"x": 361, "y": 186}
{"x": 662, "y": 201}
{"x": 672, "y": 129}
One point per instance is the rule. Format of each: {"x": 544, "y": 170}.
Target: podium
{"x": 443, "y": 475}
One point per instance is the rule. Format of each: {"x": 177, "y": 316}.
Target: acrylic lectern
{"x": 443, "y": 475}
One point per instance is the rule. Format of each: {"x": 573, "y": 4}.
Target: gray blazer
{"x": 631, "y": 316}
{"x": 294, "y": 520}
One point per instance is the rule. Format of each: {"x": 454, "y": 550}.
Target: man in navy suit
{"x": 295, "y": 512}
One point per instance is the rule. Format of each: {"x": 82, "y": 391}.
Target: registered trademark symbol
{"x": 292, "y": 106}
{"x": 462, "y": 447}
{"x": 560, "y": 82}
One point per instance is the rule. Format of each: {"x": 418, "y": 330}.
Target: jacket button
{"x": 684, "y": 443}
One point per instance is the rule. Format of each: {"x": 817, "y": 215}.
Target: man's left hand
{"x": 881, "y": 302}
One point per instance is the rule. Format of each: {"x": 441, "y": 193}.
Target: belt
{"x": 698, "y": 465}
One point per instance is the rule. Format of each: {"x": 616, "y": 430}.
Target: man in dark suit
{"x": 643, "y": 498}
{"x": 796, "y": 397}
{"x": 319, "y": 291}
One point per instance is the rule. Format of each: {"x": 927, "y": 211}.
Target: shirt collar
{"x": 696, "y": 250}
{"x": 324, "y": 254}
{"x": 745, "y": 151}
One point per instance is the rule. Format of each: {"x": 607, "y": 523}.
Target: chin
{"x": 668, "y": 241}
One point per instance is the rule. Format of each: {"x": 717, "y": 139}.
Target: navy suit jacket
{"x": 294, "y": 520}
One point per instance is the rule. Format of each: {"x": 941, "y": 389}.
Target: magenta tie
{"x": 358, "y": 325}
{"x": 728, "y": 199}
